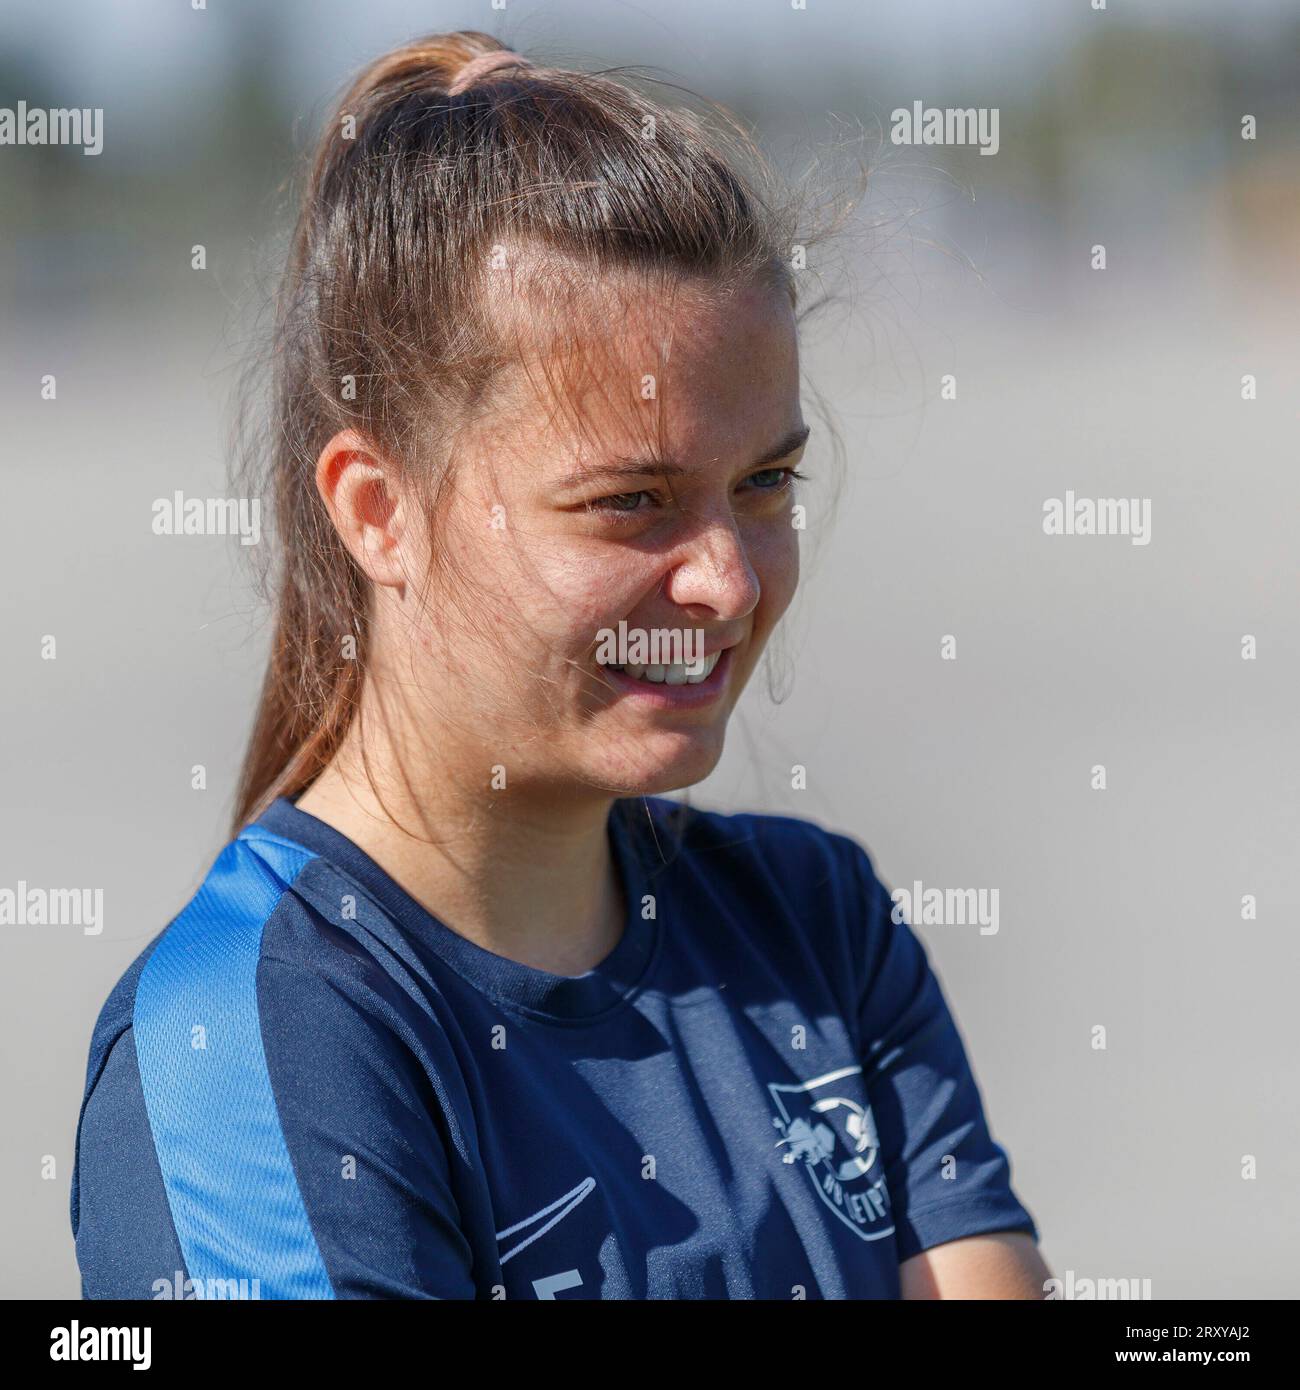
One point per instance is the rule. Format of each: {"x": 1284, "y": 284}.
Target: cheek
{"x": 528, "y": 592}
{"x": 567, "y": 594}
{"x": 774, "y": 555}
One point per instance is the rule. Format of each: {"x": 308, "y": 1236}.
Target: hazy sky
{"x": 84, "y": 38}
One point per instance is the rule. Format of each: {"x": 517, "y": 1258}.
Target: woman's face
{"x": 670, "y": 509}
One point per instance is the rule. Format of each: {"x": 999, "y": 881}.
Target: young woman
{"x": 467, "y": 1008}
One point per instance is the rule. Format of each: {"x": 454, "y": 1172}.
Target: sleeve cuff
{"x": 924, "y": 1227}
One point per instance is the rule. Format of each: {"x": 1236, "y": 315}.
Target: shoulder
{"x": 233, "y": 1069}
{"x": 184, "y": 1009}
{"x": 770, "y": 875}
{"x": 209, "y": 946}
{"x": 777, "y": 848}
{"x": 269, "y": 942}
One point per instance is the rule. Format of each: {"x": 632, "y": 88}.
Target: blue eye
{"x": 776, "y": 475}
{"x": 626, "y": 504}
{"x": 779, "y": 478}
{"x": 620, "y": 501}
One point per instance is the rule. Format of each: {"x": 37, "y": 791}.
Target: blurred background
{"x": 1120, "y": 908}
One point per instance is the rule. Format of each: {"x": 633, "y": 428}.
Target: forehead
{"x": 629, "y": 363}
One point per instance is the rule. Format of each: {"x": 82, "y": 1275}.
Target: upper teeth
{"x": 675, "y": 674}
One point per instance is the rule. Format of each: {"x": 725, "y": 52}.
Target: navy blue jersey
{"x": 308, "y": 1087}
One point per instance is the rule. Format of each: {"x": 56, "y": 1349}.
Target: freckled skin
{"x": 511, "y": 671}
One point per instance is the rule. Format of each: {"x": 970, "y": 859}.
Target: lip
{"x": 661, "y": 696}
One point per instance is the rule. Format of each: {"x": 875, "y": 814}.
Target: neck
{"x": 528, "y": 876}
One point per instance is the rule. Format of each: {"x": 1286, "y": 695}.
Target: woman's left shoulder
{"x": 793, "y": 855}
{"x": 790, "y": 837}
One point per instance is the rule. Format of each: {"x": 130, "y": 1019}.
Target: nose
{"x": 714, "y": 572}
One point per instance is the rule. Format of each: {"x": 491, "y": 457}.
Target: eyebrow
{"x": 653, "y": 466}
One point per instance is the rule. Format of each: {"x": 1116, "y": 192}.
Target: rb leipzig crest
{"x": 826, "y": 1125}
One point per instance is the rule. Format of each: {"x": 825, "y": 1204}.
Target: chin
{"x": 666, "y": 763}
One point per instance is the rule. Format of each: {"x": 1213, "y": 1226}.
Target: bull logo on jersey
{"x": 834, "y": 1137}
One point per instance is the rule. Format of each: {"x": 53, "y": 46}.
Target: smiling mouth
{"x": 653, "y": 689}
{"x": 676, "y": 673}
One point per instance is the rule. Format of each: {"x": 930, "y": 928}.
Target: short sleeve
{"x": 947, "y": 1177}
{"x": 295, "y": 1155}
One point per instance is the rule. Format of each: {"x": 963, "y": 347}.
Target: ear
{"x": 362, "y": 492}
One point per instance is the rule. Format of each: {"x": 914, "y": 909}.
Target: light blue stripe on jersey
{"x": 230, "y": 1183}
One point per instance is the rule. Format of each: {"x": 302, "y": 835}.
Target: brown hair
{"x": 381, "y": 321}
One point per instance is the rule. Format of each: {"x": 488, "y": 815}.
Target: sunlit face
{"x": 671, "y": 508}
